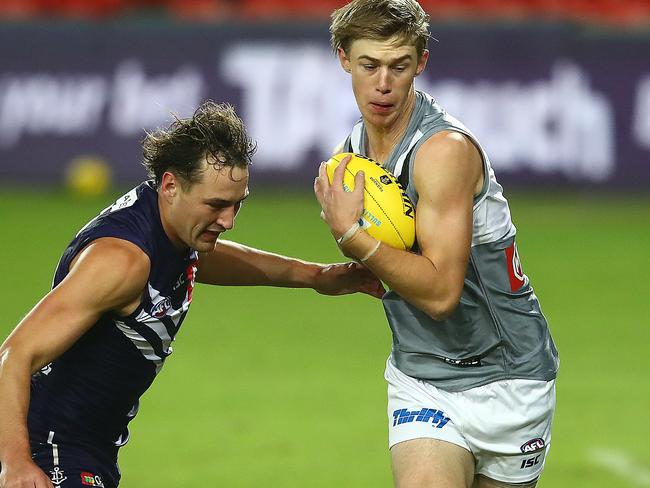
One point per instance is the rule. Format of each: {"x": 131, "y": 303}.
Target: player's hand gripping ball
{"x": 388, "y": 213}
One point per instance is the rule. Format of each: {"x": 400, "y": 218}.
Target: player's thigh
{"x": 484, "y": 482}
{"x": 508, "y": 428}
{"x": 428, "y": 463}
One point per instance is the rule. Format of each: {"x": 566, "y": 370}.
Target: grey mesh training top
{"x": 498, "y": 330}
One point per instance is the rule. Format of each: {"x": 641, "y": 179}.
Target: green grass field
{"x": 284, "y": 388}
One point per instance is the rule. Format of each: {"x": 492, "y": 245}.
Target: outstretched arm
{"x": 235, "y": 264}
{"x": 447, "y": 174}
{"x": 109, "y": 274}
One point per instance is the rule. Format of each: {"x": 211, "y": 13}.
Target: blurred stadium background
{"x": 280, "y": 388}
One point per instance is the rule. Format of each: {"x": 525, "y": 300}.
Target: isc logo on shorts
{"x": 437, "y": 417}
{"x": 530, "y": 462}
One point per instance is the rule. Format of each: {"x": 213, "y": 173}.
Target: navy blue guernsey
{"x": 88, "y": 395}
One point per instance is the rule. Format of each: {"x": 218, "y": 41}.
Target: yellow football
{"x": 388, "y": 214}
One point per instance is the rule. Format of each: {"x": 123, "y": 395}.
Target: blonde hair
{"x": 380, "y": 20}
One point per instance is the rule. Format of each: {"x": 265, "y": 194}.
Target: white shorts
{"x": 506, "y": 425}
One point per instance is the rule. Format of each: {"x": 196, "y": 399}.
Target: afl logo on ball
{"x": 533, "y": 445}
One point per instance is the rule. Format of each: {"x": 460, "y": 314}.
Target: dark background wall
{"x": 553, "y": 101}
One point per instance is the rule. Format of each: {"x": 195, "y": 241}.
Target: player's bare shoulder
{"x": 114, "y": 270}
{"x": 449, "y": 154}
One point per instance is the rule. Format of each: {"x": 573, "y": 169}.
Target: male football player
{"x": 72, "y": 371}
{"x": 471, "y": 375}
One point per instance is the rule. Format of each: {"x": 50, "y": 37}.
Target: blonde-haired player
{"x": 471, "y": 375}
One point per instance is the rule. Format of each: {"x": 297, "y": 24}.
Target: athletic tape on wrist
{"x": 348, "y": 234}
{"x": 371, "y": 253}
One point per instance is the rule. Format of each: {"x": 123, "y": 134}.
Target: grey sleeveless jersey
{"x": 498, "y": 330}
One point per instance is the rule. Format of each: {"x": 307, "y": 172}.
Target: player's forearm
{"x": 235, "y": 264}
{"x": 414, "y": 277}
{"x": 14, "y": 401}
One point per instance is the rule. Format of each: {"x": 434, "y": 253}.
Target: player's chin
{"x": 381, "y": 119}
{"x": 206, "y": 241}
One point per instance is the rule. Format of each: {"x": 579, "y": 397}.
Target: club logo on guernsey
{"x": 58, "y": 476}
{"x": 437, "y": 418}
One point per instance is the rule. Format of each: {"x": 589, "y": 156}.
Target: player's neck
{"x": 383, "y": 139}
{"x": 168, "y": 229}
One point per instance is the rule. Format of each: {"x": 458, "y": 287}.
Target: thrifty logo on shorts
{"x": 436, "y": 417}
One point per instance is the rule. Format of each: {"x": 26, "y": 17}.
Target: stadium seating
{"x": 607, "y": 12}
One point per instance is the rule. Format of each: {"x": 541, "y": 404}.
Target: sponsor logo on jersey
{"x": 160, "y": 308}
{"x": 533, "y": 445}
{"x": 58, "y": 476}
{"x": 436, "y": 417}
{"x": 90, "y": 479}
{"x": 464, "y": 363}
{"x": 515, "y": 273}
{"x": 179, "y": 282}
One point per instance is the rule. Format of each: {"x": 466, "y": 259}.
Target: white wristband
{"x": 348, "y": 234}
{"x": 371, "y": 253}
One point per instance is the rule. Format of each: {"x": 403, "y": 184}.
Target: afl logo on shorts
{"x": 533, "y": 445}
{"x": 159, "y": 309}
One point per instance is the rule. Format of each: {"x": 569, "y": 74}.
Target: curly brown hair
{"x": 214, "y": 134}
{"x": 380, "y": 20}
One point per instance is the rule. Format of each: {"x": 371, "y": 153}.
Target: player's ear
{"x": 169, "y": 185}
{"x": 422, "y": 62}
{"x": 343, "y": 59}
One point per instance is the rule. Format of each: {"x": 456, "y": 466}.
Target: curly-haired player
{"x": 123, "y": 286}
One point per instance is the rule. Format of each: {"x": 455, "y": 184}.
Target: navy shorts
{"x": 71, "y": 466}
